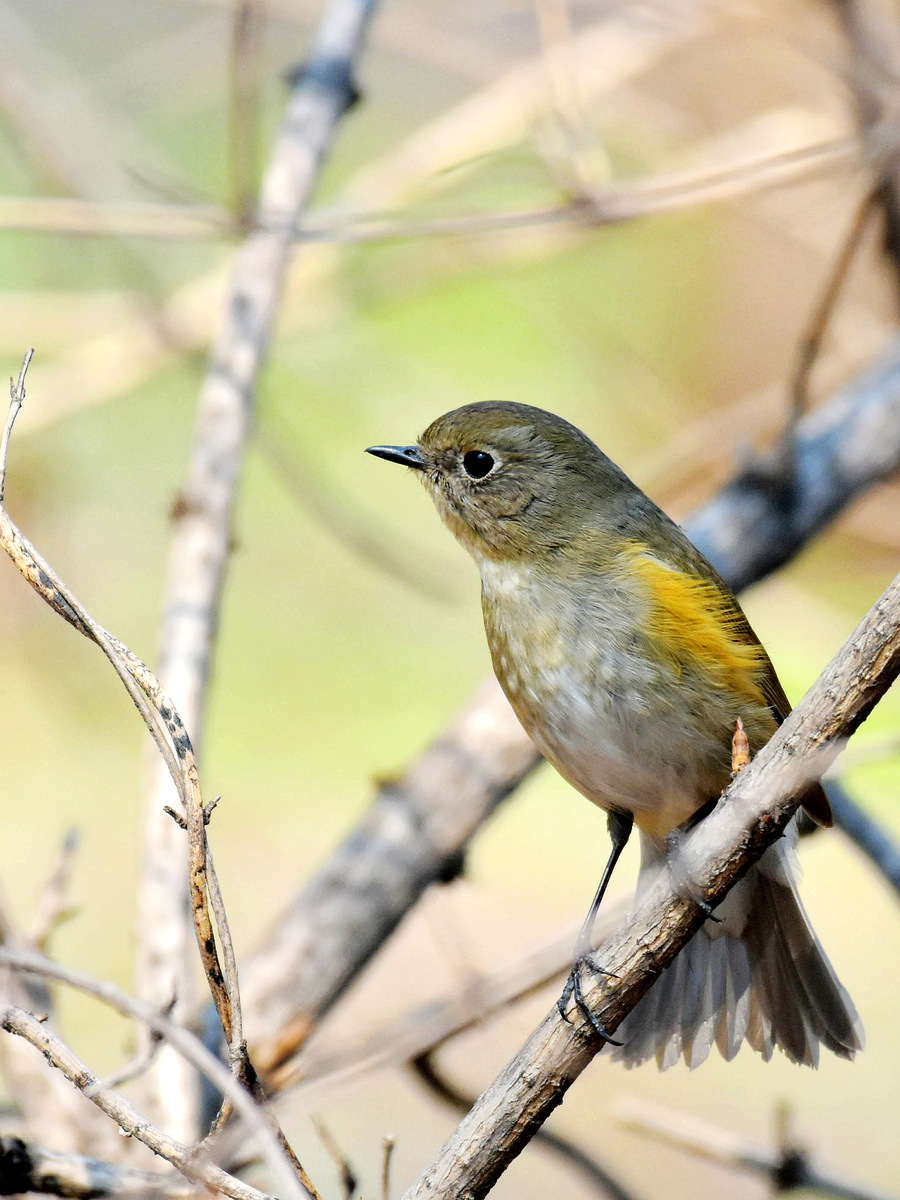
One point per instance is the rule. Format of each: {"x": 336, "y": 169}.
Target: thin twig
{"x": 17, "y": 399}
{"x": 51, "y": 908}
{"x": 167, "y": 729}
{"x": 810, "y": 345}
{"x": 754, "y": 812}
{"x": 184, "y": 1042}
{"x": 141, "y": 1061}
{"x": 387, "y": 1153}
{"x": 346, "y": 1174}
{"x": 165, "y": 726}
{"x": 787, "y": 1168}
{"x": 129, "y": 1120}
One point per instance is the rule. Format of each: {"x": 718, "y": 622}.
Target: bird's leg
{"x": 678, "y": 868}
{"x": 619, "y": 824}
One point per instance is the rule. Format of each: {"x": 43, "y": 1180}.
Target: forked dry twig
{"x": 168, "y": 732}
{"x": 184, "y": 1042}
{"x": 17, "y": 399}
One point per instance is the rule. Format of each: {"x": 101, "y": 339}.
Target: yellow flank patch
{"x": 694, "y": 623}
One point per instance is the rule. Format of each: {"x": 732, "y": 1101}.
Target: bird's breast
{"x": 623, "y": 723}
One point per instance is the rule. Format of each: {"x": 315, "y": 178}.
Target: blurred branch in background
{"x": 874, "y": 44}
{"x": 355, "y": 529}
{"x": 789, "y": 1168}
{"x": 775, "y": 150}
{"x": 246, "y": 75}
{"x": 53, "y": 905}
{"x": 321, "y": 92}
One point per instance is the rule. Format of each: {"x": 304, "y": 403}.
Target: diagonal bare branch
{"x": 751, "y": 816}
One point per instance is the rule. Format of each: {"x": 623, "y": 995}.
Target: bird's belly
{"x": 623, "y": 751}
{"x": 626, "y": 730}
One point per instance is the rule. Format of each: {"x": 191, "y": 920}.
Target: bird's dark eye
{"x": 477, "y": 463}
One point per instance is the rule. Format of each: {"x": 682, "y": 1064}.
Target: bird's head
{"x": 510, "y": 480}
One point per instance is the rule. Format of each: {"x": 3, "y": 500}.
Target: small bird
{"x": 629, "y": 662}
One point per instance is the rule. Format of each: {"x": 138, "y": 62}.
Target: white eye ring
{"x": 478, "y": 464}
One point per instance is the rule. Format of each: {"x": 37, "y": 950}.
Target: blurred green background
{"x": 667, "y": 339}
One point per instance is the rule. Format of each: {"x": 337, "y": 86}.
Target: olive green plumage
{"x": 628, "y": 660}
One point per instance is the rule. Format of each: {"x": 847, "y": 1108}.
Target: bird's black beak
{"x": 407, "y": 456}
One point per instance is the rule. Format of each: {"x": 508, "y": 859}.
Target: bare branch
{"x": 659, "y": 195}
{"x": 165, "y": 726}
{"x": 754, "y": 812}
{"x": 168, "y": 732}
{"x": 752, "y": 526}
{"x": 584, "y": 1164}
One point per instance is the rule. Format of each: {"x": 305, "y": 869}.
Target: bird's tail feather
{"x": 770, "y": 983}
